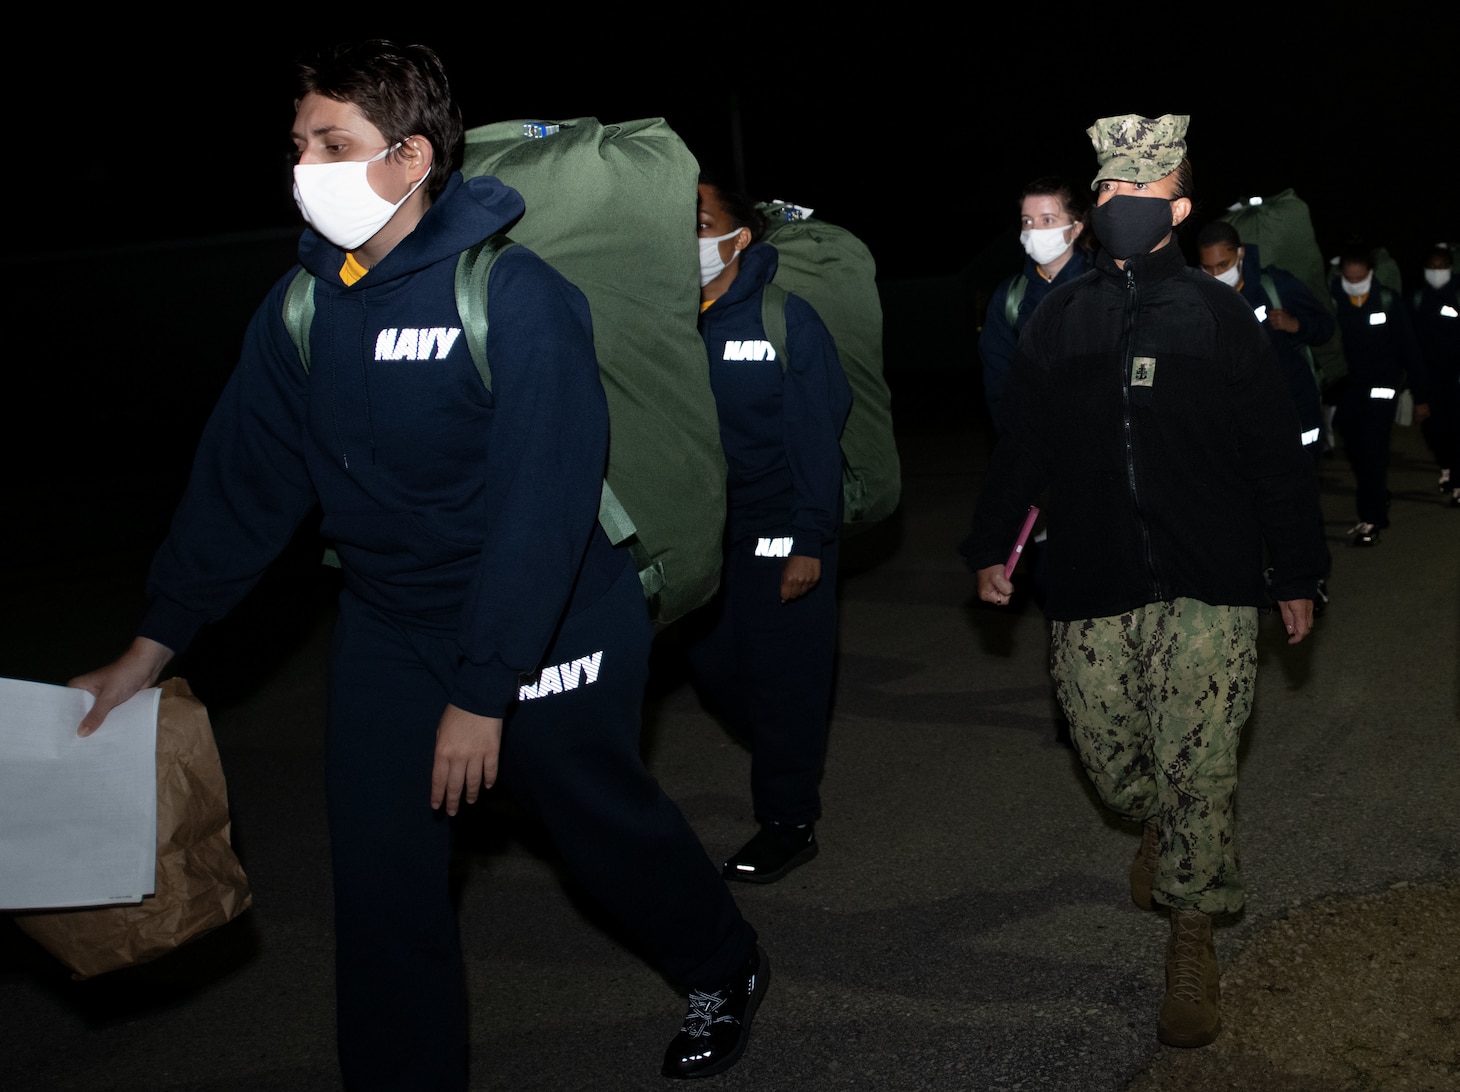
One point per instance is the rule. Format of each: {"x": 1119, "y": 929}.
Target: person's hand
{"x": 1283, "y": 320}
{"x": 1421, "y": 412}
{"x": 1297, "y": 618}
{"x": 134, "y": 670}
{"x": 798, "y": 576}
{"x": 466, "y": 757}
{"x": 994, "y": 587}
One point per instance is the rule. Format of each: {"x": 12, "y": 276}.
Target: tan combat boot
{"x": 1143, "y": 868}
{"x": 1191, "y": 1012}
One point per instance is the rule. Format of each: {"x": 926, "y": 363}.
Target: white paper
{"x": 78, "y": 817}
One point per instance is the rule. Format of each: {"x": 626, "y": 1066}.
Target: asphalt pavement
{"x": 966, "y": 925}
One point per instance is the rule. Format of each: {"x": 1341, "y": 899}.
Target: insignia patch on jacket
{"x": 1143, "y": 371}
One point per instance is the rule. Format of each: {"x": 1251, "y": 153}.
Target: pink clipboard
{"x": 1019, "y": 543}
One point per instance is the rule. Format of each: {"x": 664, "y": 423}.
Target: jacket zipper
{"x": 1131, "y": 307}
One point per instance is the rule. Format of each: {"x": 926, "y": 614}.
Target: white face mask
{"x": 1233, "y": 276}
{"x": 711, "y": 264}
{"x": 1044, "y": 245}
{"x": 336, "y": 200}
{"x": 1437, "y": 278}
{"x": 1358, "y": 288}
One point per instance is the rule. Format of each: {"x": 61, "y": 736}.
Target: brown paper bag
{"x": 200, "y": 884}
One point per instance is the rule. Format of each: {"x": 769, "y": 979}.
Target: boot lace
{"x": 1189, "y": 957}
{"x": 704, "y": 1012}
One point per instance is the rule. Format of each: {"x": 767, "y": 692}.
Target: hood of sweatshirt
{"x": 758, "y": 265}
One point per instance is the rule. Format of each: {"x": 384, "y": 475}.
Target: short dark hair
{"x": 1442, "y": 251}
{"x": 741, "y": 208}
{"x": 1185, "y": 182}
{"x": 400, "y": 89}
{"x": 1071, "y": 200}
{"x": 1075, "y": 202}
{"x": 1185, "y": 187}
{"x": 1216, "y": 233}
{"x": 1356, "y": 251}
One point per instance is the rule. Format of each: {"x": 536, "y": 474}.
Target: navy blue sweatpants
{"x": 766, "y": 667}
{"x": 570, "y": 756}
{"x": 1365, "y": 422}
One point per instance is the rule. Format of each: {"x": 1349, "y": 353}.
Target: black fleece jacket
{"x": 1146, "y": 413}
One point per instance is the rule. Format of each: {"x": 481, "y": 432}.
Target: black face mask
{"x": 1127, "y": 225}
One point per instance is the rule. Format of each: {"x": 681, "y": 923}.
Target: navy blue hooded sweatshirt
{"x": 1378, "y": 343}
{"x": 454, "y": 509}
{"x": 780, "y": 421}
{"x": 1315, "y": 327}
{"x": 998, "y": 339}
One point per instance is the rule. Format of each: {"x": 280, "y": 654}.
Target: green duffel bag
{"x": 831, "y": 269}
{"x": 612, "y": 208}
{"x": 1282, "y": 230}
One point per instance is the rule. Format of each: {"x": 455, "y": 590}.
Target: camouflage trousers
{"x": 1156, "y": 700}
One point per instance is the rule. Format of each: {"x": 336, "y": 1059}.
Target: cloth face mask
{"x": 1044, "y": 245}
{"x": 1230, "y": 277}
{"x": 1128, "y": 225}
{"x": 336, "y": 200}
{"x": 1358, "y": 288}
{"x": 711, "y": 264}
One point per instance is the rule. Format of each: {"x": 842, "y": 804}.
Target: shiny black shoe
{"x": 1363, "y": 534}
{"x": 717, "y": 1026}
{"x": 775, "y": 850}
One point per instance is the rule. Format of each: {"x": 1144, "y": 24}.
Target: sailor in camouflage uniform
{"x": 1146, "y": 408}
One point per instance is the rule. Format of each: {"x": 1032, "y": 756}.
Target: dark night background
{"x": 148, "y": 210}
{"x": 158, "y": 210}
{"x": 915, "y": 132}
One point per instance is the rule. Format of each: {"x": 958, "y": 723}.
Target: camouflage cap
{"x": 1136, "y": 149}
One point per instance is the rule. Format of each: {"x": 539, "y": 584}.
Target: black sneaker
{"x": 775, "y": 850}
{"x": 1363, "y": 534}
{"x": 717, "y": 1025}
